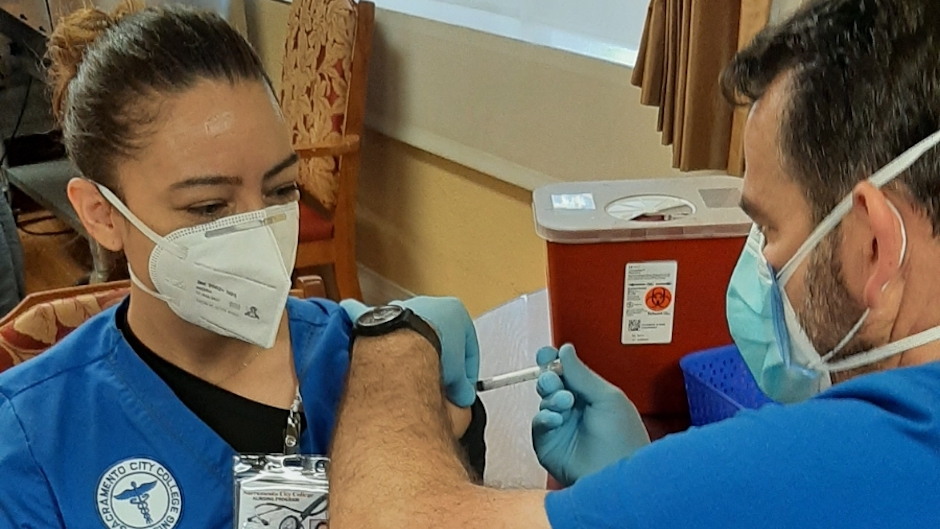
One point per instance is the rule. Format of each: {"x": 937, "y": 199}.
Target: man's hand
{"x": 460, "y": 351}
{"x": 584, "y": 423}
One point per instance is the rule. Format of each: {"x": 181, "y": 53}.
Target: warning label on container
{"x": 649, "y": 302}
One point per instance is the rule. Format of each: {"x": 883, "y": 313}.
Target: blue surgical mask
{"x": 755, "y": 317}
{"x": 765, "y": 327}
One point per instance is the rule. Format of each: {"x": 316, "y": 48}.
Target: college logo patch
{"x": 139, "y": 493}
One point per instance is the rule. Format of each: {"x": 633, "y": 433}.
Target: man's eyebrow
{"x": 753, "y": 210}
{"x": 218, "y": 180}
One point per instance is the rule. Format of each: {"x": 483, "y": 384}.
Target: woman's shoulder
{"x": 320, "y": 336}
{"x": 313, "y": 311}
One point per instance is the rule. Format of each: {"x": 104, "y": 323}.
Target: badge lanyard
{"x": 292, "y": 432}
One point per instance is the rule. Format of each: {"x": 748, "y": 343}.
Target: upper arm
{"x": 26, "y": 500}
{"x": 475, "y": 507}
{"x": 524, "y": 509}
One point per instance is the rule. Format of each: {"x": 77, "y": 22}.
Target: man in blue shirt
{"x": 843, "y": 180}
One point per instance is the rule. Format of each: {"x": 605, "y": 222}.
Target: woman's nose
{"x": 251, "y": 201}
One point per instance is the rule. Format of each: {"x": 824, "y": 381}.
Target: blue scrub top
{"x": 865, "y": 453}
{"x": 87, "y": 429}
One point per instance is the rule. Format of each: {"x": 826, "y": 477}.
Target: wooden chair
{"x": 44, "y": 318}
{"x": 323, "y": 95}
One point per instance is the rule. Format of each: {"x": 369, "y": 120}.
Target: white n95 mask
{"x": 765, "y": 327}
{"x": 230, "y": 276}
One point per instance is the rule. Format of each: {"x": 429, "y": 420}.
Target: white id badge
{"x": 277, "y": 491}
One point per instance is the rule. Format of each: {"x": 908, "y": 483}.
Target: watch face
{"x": 380, "y": 315}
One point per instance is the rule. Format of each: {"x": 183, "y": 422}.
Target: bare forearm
{"x": 394, "y": 456}
{"x": 395, "y": 462}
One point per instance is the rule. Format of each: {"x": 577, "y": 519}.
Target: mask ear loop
{"x": 886, "y": 351}
{"x": 149, "y": 233}
{"x": 143, "y": 228}
{"x": 897, "y": 214}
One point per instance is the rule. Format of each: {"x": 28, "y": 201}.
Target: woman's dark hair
{"x": 863, "y": 83}
{"x": 109, "y": 73}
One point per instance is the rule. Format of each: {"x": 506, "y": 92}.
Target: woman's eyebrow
{"x": 218, "y": 180}
{"x": 209, "y": 180}
{"x": 283, "y": 164}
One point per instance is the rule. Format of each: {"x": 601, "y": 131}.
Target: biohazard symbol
{"x": 658, "y": 299}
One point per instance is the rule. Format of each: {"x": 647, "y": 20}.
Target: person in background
{"x": 843, "y": 183}
{"x": 12, "y": 280}
{"x": 133, "y": 420}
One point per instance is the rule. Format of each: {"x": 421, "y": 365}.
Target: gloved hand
{"x": 584, "y": 423}
{"x": 460, "y": 351}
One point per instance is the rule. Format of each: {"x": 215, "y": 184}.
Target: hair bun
{"x": 68, "y": 42}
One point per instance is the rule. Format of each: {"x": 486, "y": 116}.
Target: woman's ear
{"x": 96, "y": 214}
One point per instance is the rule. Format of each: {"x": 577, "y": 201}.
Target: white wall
{"x": 614, "y": 21}
{"x": 587, "y": 25}
{"x": 783, "y": 8}
{"x": 525, "y": 114}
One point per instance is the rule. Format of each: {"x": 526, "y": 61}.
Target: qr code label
{"x": 633, "y": 325}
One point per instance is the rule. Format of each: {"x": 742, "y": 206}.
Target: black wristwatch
{"x": 383, "y": 320}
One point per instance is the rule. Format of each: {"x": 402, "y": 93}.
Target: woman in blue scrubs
{"x": 189, "y": 171}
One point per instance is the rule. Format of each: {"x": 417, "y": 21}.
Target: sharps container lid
{"x": 693, "y": 207}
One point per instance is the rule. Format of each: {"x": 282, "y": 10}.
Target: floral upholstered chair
{"x": 43, "y": 319}
{"x": 323, "y": 93}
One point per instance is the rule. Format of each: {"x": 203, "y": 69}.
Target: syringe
{"x": 516, "y": 377}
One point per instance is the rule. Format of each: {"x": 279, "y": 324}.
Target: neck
{"x": 920, "y": 308}
{"x": 199, "y": 351}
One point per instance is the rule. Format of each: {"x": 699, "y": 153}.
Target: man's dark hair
{"x": 864, "y": 86}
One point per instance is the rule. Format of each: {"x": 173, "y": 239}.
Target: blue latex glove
{"x": 584, "y": 423}
{"x": 460, "y": 351}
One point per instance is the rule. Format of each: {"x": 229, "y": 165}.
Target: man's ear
{"x": 96, "y": 214}
{"x": 887, "y": 238}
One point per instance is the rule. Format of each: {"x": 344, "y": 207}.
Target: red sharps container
{"x": 637, "y": 275}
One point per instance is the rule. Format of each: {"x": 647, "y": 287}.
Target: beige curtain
{"x": 685, "y": 46}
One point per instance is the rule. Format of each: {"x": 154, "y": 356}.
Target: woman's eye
{"x": 288, "y": 192}
{"x": 207, "y": 210}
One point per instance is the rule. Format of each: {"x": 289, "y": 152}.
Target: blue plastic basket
{"x": 719, "y": 385}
